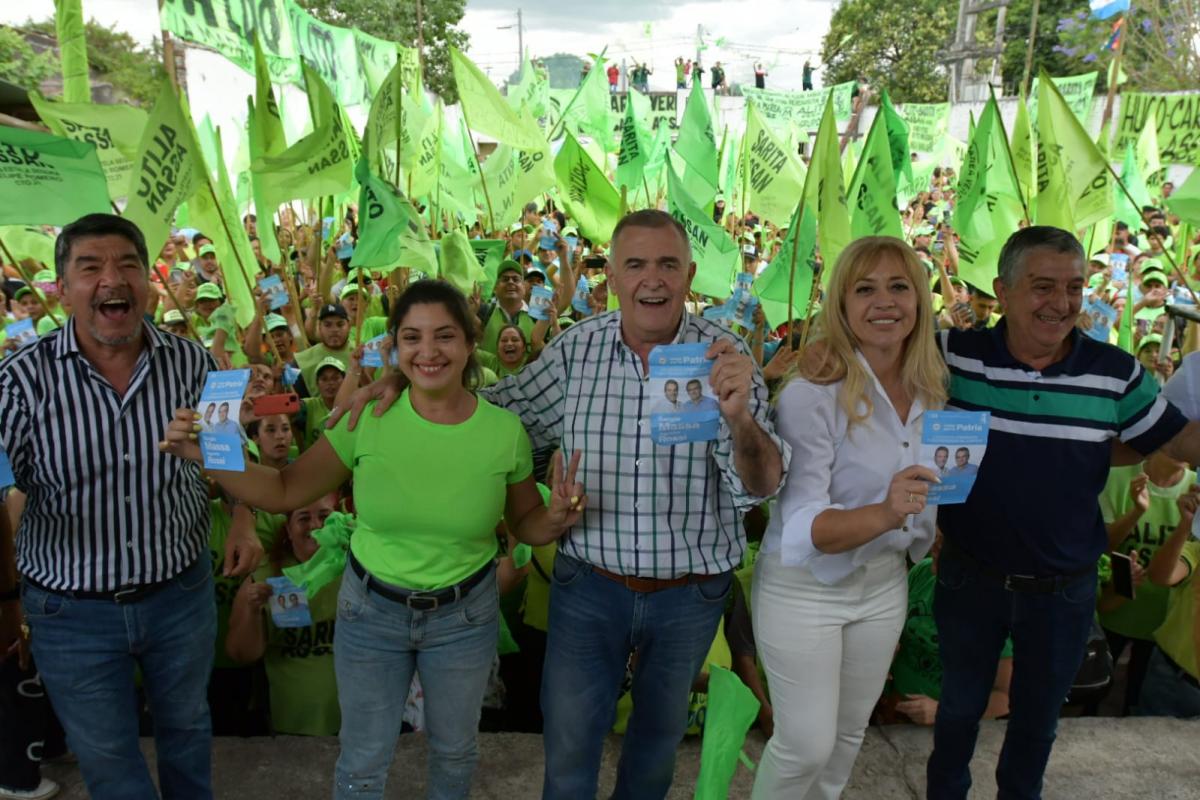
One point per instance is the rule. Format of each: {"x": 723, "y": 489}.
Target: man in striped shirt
{"x": 1020, "y": 555}
{"x": 113, "y": 540}
{"x": 649, "y": 567}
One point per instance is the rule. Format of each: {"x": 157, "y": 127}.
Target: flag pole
{"x": 792, "y": 270}
{"x": 29, "y": 282}
{"x": 1012, "y": 165}
{"x": 479, "y": 166}
{"x": 1116, "y": 73}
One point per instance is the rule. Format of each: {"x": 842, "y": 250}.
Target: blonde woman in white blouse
{"x": 830, "y": 590}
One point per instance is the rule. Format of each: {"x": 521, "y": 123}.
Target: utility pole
{"x": 520, "y": 41}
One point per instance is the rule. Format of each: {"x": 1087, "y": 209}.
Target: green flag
{"x": 316, "y": 166}
{"x": 989, "y": 206}
{"x": 635, "y": 147}
{"x": 696, "y": 145}
{"x": 1075, "y": 169}
{"x": 1184, "y": 202}
{"x": 262, "y": 206}
{"x": 233, "y": 248}
{"x": 1024, "y": 151}
{"x": 29, "y": 241}
{"x": 115, "y": 130}
{"x": 48, "y": 180}
{"x": 489, "y": 253}
{"x": 732, "y": 708}
{"x": 771, "y": 287}
{"x": 872, "y": 195}
{"x": 586, "y": 193}
{"x": 1148, "y": 161}
{"x": 390, "y": 233}
{"x": 595, "y": 107}
{"x": 824, "y": 192}
{"x": 897, "y": 137}
{"x": 715, "y": 253}
{"x": 270, "y": 121}
{"x": 166, "y": 171}
{"x": 771, "y": 180}
{"x": 424, "y": 174}
{"x": 486, "y": 109}
{"x": 459, "y": 265}
{"x": 72, "y": 50}
{"x": 531, "y": 96}
{"x": 1131, "y": 176}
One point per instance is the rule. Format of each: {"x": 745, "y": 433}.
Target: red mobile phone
{"x": 269, "y": 404}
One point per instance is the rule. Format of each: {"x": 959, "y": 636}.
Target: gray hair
{"x": 97, "y": 225}
{"x": 1016, "y": 250}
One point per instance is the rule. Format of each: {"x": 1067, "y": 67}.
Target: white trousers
{"x": 826, "y": 651}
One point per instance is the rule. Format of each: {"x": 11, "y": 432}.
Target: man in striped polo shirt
{"x": 113, "y": 540}
{"x": 1020, "y": 555}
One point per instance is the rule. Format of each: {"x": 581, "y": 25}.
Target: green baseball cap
{"x": 174, "y": 317}
{"x": 209, "y": 291}
{"x": 349, "y": 289}
{"x": 45, "y": 276}
{"x": 1149, "y": 339}
{"x": 205, "y": 249}
{"x": 275, "y": 321}
{"x": 330, "y": 361}
{"x": 1154, "y": 275}
{"x": 508, "y": 265}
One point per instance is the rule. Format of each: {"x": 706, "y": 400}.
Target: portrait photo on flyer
{"x": 682, "y": 408}
{"x": 953, "y": 444}
{"x": 221, "y": 434}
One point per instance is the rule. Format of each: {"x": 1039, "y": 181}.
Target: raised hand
{"x": 181, "y": 438}
{"x": 567, "y": 499}
{"x": 908, "y": 493}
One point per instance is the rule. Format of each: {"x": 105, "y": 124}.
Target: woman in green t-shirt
{"x": 299, "y": 660}
{"x": 512, "y": 351}
{"x": 432, "y": 477}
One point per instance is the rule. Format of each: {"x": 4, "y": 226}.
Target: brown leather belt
{"x": 647, "y": 585}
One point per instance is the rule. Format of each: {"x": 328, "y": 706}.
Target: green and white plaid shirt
{"x": 653, "y": 511}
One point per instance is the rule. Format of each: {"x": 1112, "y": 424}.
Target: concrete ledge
{"x": 1096, "y": 758}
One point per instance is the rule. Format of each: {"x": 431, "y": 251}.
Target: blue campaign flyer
{"x": 581, "y": 300}
{"x": 22, "y": 332}
{"x": 680, "y": 409}
{"x": 372, "y": 351}
{"x": 953, "y": 444}
{"x": 289, "y": 604}
{"x": 221, "y": 433}
{"x": 290, "y": 375}
{"x": 272, "y": 286}
{"x": 541, "y": 302}
{"x": 6, "y": 473}
{"x": 1101, "y": 318}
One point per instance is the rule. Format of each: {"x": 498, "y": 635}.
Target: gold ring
{"x": 912, "y": 498}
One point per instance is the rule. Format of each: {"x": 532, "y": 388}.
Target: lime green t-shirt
{"x": 1176, "y": 635}
{"x": 315, "y": 413}
{"x": 917, "y": 667}
{"x": 498, "y": 320}
{"x": 308, "y": 359}
{"x": 1140, "y": 617}
{"x": 299, "y": 664}
{"x": 371, "y": 327}
{"x": 429, "y": 496}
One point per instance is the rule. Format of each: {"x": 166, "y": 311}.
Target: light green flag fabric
{"x": 390, "y": 233}
{"x": 262, "y": 204}
{"x": 167, "y": 170}
{"x": 771, "y": 286}
{"x": 635, "y": 148}
{"x": 586, "y": 193}
{"x": 595, "y": 107}
{"x": 1148, "y": 161}
{"x": 989, "y": 207}
{"x": 1024, "y": 151}
{"x": 233, "y": 249}
{"x": 897, "y": 137}
{"x": 489, "y": 253}
{"x": 270, "y": 121}
{"x": 772, "y": 181}
{"x": 824, "y": 192}
{"x": 1184, "y": 202}
{"x": 1131, "y": 176}
{"x": 459, "y": 265}
{"x": 48, "y": 180}
{"x": 872, "y": 195}
{"x": 715, "y": 253}
{"x": 1070, "y": 153}
{"x": 72, "y": 51}
{"x": 316, "y": 166}
{"x": 115, "y": 130}
{"x": 696, "y": 145}
{"x": 530, "y": 96}
{"x": 29, "y": 241}
{"x": 486, "y": 110}
{"x": 732, "y": 708}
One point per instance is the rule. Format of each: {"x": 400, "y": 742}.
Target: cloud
{"x": 554, "y": 14}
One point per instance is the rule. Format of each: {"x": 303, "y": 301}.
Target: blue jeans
{"x": 974, "y": 614}
{"x": 1165, "y": 693}
{"x": 594, "y": 623}
{"x": 380, "y": 643}
{"x": 87, "y": 650}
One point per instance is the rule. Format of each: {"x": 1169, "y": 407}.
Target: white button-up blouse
{"x": 838, "y": 466}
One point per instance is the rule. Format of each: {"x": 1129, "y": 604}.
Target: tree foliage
{"x": 133, "y": 70}
{"x": 1047, "y": 49}
{"x": 1161, "y": 48}
{"x": 892, "y": 43}
{"x": 396, "y": 20}
{"x": 21, "y": 64}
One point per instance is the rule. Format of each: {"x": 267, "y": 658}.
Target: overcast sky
{"x": 779, "y": 33}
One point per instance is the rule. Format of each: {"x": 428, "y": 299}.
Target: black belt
{"x": 1180, "y": 672}
{"x": 417, "y": 600}
{"x": 129, "y": 594}
{"x": 1028, "y": 584}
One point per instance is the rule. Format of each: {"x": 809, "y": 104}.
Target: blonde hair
{"x": 923, "y": 371}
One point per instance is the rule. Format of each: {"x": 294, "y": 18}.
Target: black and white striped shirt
{"x": 105, "y": 508}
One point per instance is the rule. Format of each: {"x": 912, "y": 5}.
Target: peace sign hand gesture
{"x": 567, "y": 499}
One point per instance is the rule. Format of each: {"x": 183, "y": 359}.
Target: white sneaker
{"x": 46, "y": 789}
